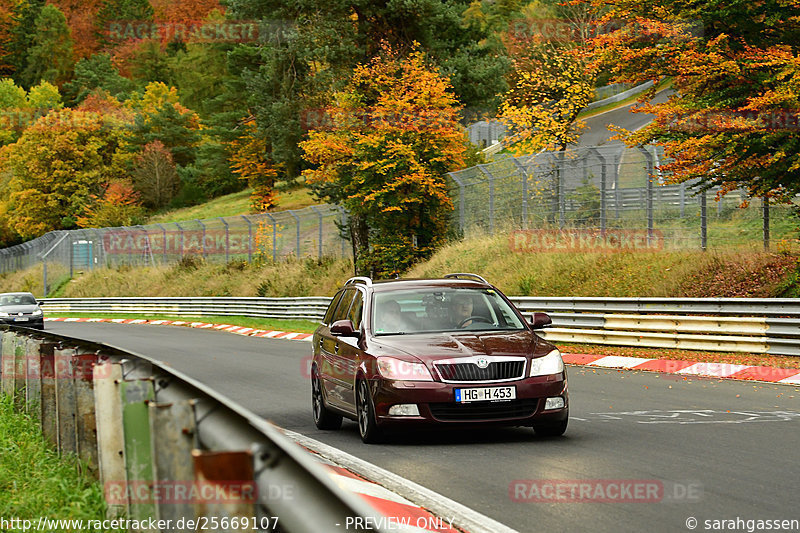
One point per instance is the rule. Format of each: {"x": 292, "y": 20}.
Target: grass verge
{"x": 35, "y": 482}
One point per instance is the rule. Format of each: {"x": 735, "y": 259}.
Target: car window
{"x": 442, "y": 309}
{"x": 356, "y": 309}
{"x": 344, "y": 305}
{"x": 332, "y": 307}
{"x": 27, "y": 299}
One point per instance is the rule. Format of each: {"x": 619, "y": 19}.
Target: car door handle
{"x": 336, "y": 348}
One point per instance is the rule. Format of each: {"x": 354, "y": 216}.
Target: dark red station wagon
{"x": 450, "y": 352}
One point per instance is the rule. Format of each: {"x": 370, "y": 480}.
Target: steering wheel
{"x": 475, "y": 318}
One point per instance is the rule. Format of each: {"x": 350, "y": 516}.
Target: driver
{"x": 461, "y": 310}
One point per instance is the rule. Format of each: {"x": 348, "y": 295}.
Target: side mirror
{"x": 541, "y": 320}
{"x": 344, "y": 328}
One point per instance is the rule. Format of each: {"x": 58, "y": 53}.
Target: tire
{"x": 367, "y": 424}
{"x": 323, "y": 417}
{"x": 551, "y": 430}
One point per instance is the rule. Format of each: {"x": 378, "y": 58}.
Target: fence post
{"x": 203, "y": 242}
{"x": 682, "y": 189}
{"x": 461, "y": 190}
{"x": 227, "y": 239}
{"x": 524, "y": 192}
{"x": 703, "y": 221}
{"x": 765, "y": 205}
{"x": 603, "y": 177}
{"x": 249, "y": 239}
{"x": 490, "y": 177}
{"x": 180, "y": 229}
{"x": 649, "y": 157}
{"x": 274, "y": 236}
{"x": 297, "y": 233}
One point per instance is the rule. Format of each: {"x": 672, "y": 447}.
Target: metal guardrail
{"x": 756, "y": 325}
{"x": 153, "y": 433}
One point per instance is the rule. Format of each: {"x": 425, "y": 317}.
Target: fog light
{"x": 554, "y": 403}
{"x": 404, "y": 409}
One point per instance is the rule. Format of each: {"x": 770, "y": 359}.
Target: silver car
{"x": 21, "y": 309}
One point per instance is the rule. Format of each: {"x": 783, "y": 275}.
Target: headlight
{"x": 549, "y": 364}
{"x": 391, "y": 368}
{"x": 38, "y": 312}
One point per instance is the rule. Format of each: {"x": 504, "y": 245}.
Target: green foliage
{"x": 97, "y": 72}
{"x": 35, "y": 481}
{"x": 23, "y": 24}
{"x": 113, "y": 15}
{"x": 44, "y": 98}
{"x": 167, "y": 124}
{"x": 11, "y": 96}
{"x": 49, "y": 57}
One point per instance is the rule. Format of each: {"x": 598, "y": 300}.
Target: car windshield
{"x": 17, "y": 299}
{"x": 438, "y": 309}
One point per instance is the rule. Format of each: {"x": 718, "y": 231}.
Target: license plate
{"x": 21, "y": 319}
{"x": 492, "y": 394}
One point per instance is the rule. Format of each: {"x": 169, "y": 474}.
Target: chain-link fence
{"x": 309, "y": 232}
{"x": 612, "y": 196}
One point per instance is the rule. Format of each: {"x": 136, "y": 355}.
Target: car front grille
{"x": 471, "y": 372}
{"x": 455, "y": 412}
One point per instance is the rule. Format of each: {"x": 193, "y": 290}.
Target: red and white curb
{"x": 788, "y": 376}
{"x": 407, "y": 506}
{"x": 239, "y": 330}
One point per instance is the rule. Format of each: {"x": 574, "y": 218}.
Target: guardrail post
{"x": 86, "y": 423}
{"x": 172, "y": 429}
{"x": 7, "y": 363}
{"x": 107, "y": 378}
{"x": 47, "y": 364}
{"x": 219, "y": 468}
{"x": 66, "y": 407}
{"x": 33, "y": 380}
{"x": 138, "y": 448}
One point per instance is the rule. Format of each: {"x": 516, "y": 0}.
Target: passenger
{"x": 390, "y": 319}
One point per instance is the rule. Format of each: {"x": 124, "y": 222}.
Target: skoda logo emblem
{"x": 482, "y": 362}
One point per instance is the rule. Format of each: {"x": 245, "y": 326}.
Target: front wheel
{"x": 323, "y": 418}
{"x": 551, "y": 430}
{"x": 367, "y": 424}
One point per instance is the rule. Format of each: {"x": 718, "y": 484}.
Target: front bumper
{"x": 437, "y": 405}
{"x": 31, "y": 322}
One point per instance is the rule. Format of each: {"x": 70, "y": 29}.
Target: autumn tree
{"x": 118, "y": 205}
{"x": 550, "y": 83}
{"x": 382, "y": 151}
{"x": 250, "y": 161}
{"x": 49, "y": 57}
{"x": 154, "y": 175}
{"x": 732, "y": 121}
{"x": 57, "y": 165}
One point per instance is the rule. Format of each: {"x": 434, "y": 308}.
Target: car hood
{"x": 15, "y": 309}
{"x": 437, "y": 346}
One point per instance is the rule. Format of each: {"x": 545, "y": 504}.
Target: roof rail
{"x": 467, "y": 275}
{"x": 359, "y": 279}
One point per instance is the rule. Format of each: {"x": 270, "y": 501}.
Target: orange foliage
{"x": 80, "y": 19}
{"x": 249, "y": 160}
